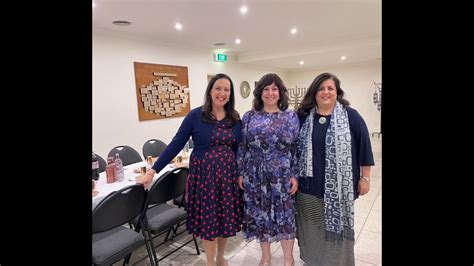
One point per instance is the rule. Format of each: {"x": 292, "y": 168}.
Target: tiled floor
{"x": 368, "y": 228}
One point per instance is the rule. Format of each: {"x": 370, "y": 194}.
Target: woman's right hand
{"x": 241, "y": 182}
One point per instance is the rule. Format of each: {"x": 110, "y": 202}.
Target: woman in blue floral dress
{"x": 267, "y": 168}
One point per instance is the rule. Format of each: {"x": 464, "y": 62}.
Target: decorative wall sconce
{"x": 378, "y": 95}
{"x": 378, "y": 102}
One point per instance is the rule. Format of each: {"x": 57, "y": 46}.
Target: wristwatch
{"x": 366, "y": 178}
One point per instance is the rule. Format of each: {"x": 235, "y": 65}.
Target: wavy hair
{"x": 230, "y": 113}
{"x": 266, "y": 80}
{"x": 309, "y": 100}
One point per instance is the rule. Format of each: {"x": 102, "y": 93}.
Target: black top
{"x": 361, "y": 152}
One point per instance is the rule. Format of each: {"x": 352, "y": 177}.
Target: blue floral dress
{"x": 267, "y": 160}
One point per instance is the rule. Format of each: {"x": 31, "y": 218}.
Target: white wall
{"x": 115, "y": 113}
{"x": 357, "y": 81}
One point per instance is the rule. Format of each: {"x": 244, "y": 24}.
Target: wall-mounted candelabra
{"x": 378, "y": 95}
{"x": 296, "y": 95}
{"x": 377, "y": 98}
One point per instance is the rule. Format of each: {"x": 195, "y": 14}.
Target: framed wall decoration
{"x": 245, "y": 89}
{"x": 162, "y": 91}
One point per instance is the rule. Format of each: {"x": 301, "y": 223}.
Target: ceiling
{"x": 326, "y": 29}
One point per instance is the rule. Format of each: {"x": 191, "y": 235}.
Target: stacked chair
{"x": 128, "y": 154}
{"x": 153, "y": 148}
{"x": 160, "y": 217}
{"x": 111, "y": 241}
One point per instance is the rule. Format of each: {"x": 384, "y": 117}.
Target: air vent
{"x": 122, "y": 23}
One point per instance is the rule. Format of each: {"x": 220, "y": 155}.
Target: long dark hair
{"x": 266, "y": 80}
{"x": 309, "y": 100}
{"x": 230, "y": 113}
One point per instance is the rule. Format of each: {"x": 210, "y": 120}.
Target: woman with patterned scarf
{"x": 334, "y": 161}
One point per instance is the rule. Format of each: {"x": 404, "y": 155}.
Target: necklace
{"x": 322, "y": 120}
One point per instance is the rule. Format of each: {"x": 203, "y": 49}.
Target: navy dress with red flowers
{"x": 215, "y": 208}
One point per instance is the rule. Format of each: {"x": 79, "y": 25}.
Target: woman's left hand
{"x": 147, "y": 179}
{"x": 294, "y": 185}
{"x": 364, "y": 187}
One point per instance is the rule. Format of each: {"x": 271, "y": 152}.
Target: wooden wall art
{"x": 162, "y": 91}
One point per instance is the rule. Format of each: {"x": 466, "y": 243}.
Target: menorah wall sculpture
{"x": 378, "y": 95}
{"x": 296, "y": 95}
{"x": 377, "y": 98}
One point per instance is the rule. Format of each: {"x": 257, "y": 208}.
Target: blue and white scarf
{"x": 338, "y": 185}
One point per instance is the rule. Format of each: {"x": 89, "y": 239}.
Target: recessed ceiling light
{"x": 237, "y": 41}
{"x": 178, "y": 26}
{"x": 294, "y": 31}
{"x": 301, "y": 62}
{"x": 343, "y": 57}
{"x": 220, "y": 44}
{"x": 243, "y": 10}
{"x": 122, "y": 23}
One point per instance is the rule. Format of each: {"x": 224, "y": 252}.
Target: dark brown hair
{"x": 230, "y": 113}
{"x": 309, "y": 100}
{"x": 266, "y": 80}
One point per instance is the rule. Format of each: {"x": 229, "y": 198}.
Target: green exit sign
{"x": 220, "y": 57}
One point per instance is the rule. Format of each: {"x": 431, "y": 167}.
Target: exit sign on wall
{"x": 220, "y": 57}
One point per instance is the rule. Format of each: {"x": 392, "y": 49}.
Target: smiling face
{"x": 270, "y": 96}
{"x": 220, "y": 93}
{"x": 326, "y": 95}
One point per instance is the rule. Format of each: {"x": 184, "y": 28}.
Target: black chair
{"x": 111, "y": 241}
{"x": 180, "y": 201}
{"x": 153, "y": 148}
{"x": 102, "y": 163}
{"x": 161, "y": 217}
{"x": 128, "y": 154}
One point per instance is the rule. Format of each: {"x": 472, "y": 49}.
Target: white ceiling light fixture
{"x": 243, "y": 10}
{"x": 178, "y": 26}
{"x": 294, "y": 30}
{"x": 237, "y": 41}
{"x": 343, "y": 58}
{"x": 301, "y": 62}
{"x": 93, "y": 4}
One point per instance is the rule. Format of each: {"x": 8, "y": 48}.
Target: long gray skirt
{"x": 310, "y": 232}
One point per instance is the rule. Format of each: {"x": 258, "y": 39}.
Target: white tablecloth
{"x": 105, "y": 188}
